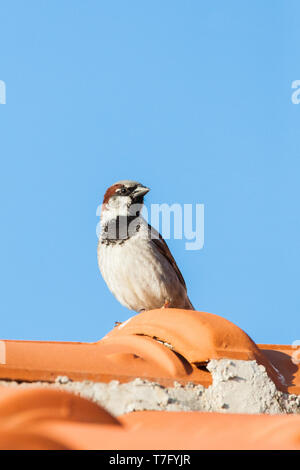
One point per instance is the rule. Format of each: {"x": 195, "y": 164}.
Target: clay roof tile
{"x": 161, "y": 345}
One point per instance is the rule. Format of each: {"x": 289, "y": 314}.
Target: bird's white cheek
{"x": 119, "y": 205}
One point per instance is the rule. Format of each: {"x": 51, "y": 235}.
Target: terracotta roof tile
{"x": 196, "y": 336}
{"x": 162, "y": 345}
{"x": 198, "y": 430}
{"x": 18, "y": 406}
{"x": 282, "y": 358}
{"x": 42, "y": 426}
{"x": 136, "y": 349}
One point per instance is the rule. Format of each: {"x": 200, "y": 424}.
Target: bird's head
{"x": 124, "y": 198}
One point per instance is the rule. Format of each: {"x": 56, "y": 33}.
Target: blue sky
{"x": 192, "y": 99}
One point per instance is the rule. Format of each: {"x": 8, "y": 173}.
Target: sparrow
{"x": 133, "y": 257}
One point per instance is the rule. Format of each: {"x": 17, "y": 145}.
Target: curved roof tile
{"x": 161, "y": 345}
{"x": 197, "y": 336}
{"x": 157, "y": 430}
{"x": 19, "y": 406}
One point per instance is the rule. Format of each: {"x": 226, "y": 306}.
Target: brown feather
{"x": 163, "y": 248}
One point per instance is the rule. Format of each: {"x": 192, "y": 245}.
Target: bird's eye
{"x": 123, "y": 191}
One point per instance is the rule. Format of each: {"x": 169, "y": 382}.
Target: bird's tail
{"x": 188, "y": 304}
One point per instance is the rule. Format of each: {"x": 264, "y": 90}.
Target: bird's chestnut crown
{"x": 124, "y": 195}
{"x": 136, "y": 191}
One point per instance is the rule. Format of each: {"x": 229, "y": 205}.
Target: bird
{"x": 133, "y": 258}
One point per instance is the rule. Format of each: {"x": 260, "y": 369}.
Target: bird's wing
{"x": 163, "y": 248}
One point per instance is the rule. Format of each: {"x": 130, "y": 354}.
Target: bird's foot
{"x": 117, "y": 323}
{"x": 166, "y": 304}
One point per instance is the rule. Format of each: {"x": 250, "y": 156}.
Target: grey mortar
{"x": 238, "y": 387}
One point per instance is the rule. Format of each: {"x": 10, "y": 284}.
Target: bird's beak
{"x": 140, "y": 191}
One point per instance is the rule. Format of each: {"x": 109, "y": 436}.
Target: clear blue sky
{"x": 192, "y": 98}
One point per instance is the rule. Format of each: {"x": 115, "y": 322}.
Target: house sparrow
{"x": 133, "y": 258}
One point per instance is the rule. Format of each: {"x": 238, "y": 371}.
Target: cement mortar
{"x": 238, "y": 387}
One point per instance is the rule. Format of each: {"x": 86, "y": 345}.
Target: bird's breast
{"x": 136, "y": 273}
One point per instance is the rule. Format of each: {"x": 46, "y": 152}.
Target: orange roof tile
{"x": 282, "y": 357}
{"x": 196, "y": 336}
{"x": 43, "y": 419}
{"x": 131, "y": 350}
{"x": 161, "y": 345}
{"x": 26, "y": 406}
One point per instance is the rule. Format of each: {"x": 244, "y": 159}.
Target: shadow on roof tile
{"x": 160, "y": 345}
{"x": 23, "y": 406}
{"x": 197, "y": 336}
